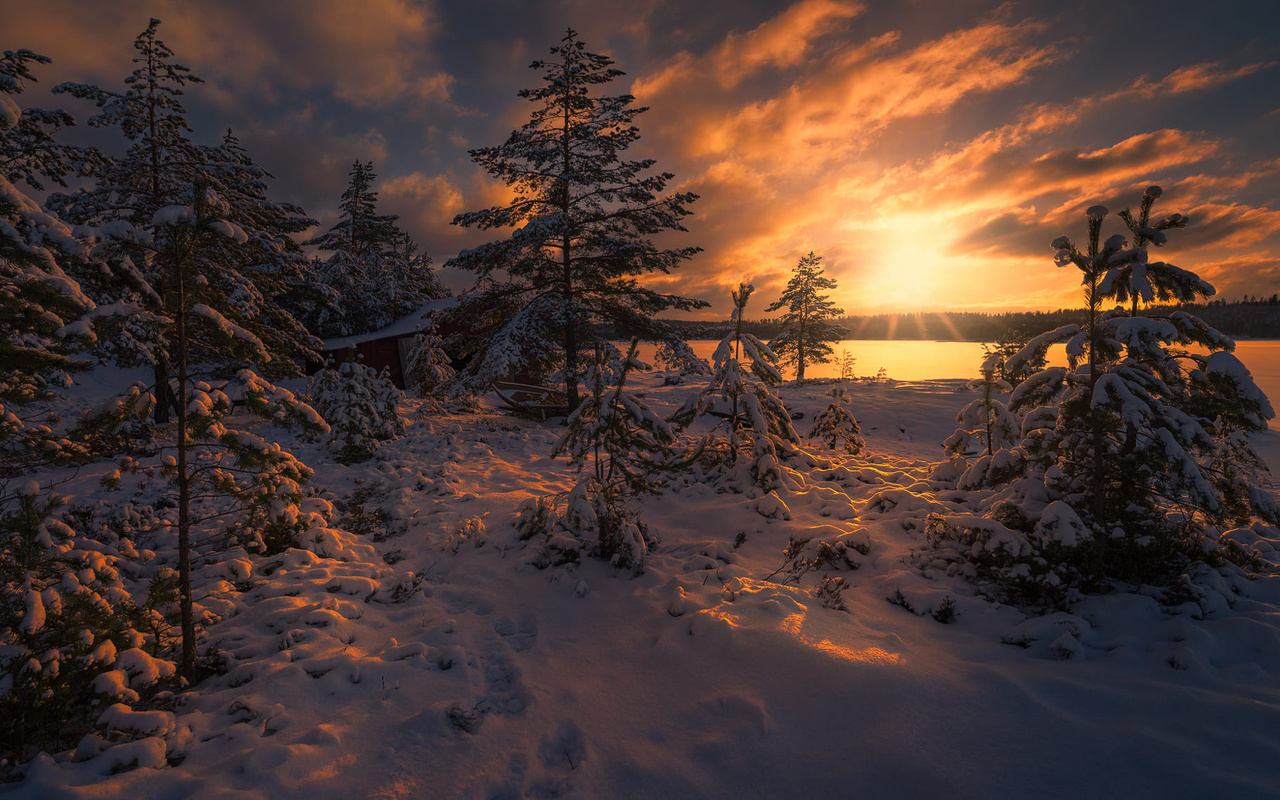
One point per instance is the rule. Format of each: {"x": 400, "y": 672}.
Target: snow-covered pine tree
{"x": 157, "y": 171}
{"x": 837, "y": 427}
{"x": 40, "y": 303}
{"x": 257, "y": 281}
{"x": 741, "y": 390}
{"x": 429, "y": 369}
{"x": 374, "y": 273}
{"x": 361, "y": 406}
{"x": 583, "y": 221}
{"x": 261, "y": 482}
{"x": 807, "y": 328}
{"x": 621, "y": 449}
{"x": 244, "y": 278}
{"x": 1121, "y": 471}
{"x": 360, "y": 229}
{"x": 988, "y": 432}
{"x": 67, "y": 630}
{"x": 30, "y": 151}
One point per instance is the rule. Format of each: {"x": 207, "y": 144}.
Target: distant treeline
{"x": 1249, "y": 318}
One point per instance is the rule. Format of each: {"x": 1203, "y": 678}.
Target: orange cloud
{"x": 830, "y": 113}
{"x": 370, "y": 54}
{"x": 784, "y": 41}
{"x": 1194, "y": 77}
{"x": 426, "y": 202}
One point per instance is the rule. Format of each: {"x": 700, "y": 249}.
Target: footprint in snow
{"x": 566, "y": 748}
{"x": 520, "y": 635}
{"x": 505, "y": 693}
{"x": 459, "y": 601}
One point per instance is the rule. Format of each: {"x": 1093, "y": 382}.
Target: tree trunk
{"x": 571, "y": 327}
{"x": 188, "y": 664}
{"x": 163, "y": 392}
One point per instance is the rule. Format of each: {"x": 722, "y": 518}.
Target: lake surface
{"x": 917, "y": 360}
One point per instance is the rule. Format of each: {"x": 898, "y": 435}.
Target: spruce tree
{"x": 582, "y": 226}
{"x": 429, "y": 369}
{"x": 837, "y": 427}
{"x": 41, "y": 305}
{"x": 375, "y": 272}
{"x": 988, "y": 431}
{"x": 620, "y": 448}
{"x": 258, "y": 281}
{"x": 262, "y": 483}
{"x": 808, "y": 328}
{"x": 66, "y": 623}
{"x": 156, "y": 172}
{"x": 245, "y": 278}
{"x": 360, "y": 229}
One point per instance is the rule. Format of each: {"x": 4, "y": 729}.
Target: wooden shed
{"x": 388, "y": 347}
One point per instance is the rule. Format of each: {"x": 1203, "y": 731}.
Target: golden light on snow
{"x": 872, "y": 655}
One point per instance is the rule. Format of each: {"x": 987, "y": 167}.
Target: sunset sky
{"x": 928, "y": 150}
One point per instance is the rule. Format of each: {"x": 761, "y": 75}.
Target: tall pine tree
{"x": 64, "y": 613}
{"x": 807, "y": 327}
{"x": 583, "y": 220}
{"x": 245, "y": 278}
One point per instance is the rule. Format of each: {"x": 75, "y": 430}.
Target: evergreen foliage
{"x": 1122, "y": 470}
{"x": 807, "y": 329}
{"x": 741, "y": 390}
{"x": 38, "y": 299}
{"x": 374, "y": 274}
{"x": 244, "y": 277}
{"x": 30, "y": 151}
{"x": 68, "y": 629}
{"x": 836, "y": 427}
{"x": 583, "y": 219}
{"x": 361, "y": 407}
{"x": 987, "y": 428}
{"x": 429, "y": 369}
{"x": 621, "y": 449}
{"x": 263, "y": 482}
{"x": 68, "y": 639}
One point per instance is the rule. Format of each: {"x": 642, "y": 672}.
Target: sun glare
{"x": 907, "y": 269}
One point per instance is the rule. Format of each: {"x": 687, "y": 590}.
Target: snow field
{"x": 424, "y": 658}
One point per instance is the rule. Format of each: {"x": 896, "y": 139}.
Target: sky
{"x": 927, "y": 150}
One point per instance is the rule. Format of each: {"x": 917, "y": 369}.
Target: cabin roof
{"x": 404, "y": 326}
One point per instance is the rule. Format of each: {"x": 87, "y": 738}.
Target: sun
{"x": 909, "y": 267}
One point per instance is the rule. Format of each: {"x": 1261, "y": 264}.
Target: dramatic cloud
{"x": 928, "y": 151}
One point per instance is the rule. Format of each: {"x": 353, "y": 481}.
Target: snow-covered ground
{"x": 434, "y": 662}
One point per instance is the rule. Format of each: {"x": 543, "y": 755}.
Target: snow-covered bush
{"x": 836, "y": 427}
{"x": 988, "y": 434}
{"x": 69, "y": 632}
{"x": 361, "y": 406}
{"x": 428, "y": 370}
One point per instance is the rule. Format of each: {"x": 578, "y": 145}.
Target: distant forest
{"x": 1252, "y": 318}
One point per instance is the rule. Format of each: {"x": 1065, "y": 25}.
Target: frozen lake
{"x": 919, "y": 360}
